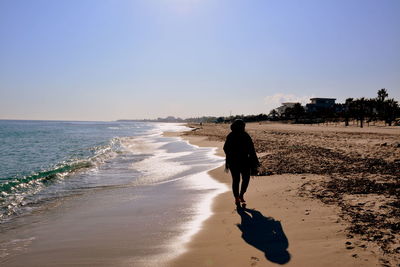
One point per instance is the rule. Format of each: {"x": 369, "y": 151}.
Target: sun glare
{"x": 183, "y": 7}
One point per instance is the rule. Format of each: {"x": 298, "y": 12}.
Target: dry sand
{"x": 331, "y": 198}
{"x": 285, "y": 221}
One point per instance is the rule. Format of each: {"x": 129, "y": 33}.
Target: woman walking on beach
{"x": 241, "y": 158}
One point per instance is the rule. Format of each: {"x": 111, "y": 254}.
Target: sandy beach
{"x": 138, "y": 208}
{"x": 114, "y": 115}
{"x": 327, "y": 198}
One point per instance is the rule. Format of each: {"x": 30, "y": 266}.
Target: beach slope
{"x": 280, "y": 225}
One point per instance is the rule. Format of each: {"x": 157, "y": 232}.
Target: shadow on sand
{"x": 265, "y": 234}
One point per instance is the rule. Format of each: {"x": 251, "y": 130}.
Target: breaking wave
{"x": 17, "y": 192}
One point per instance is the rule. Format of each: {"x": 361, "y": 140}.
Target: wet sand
{"x": 308, "y": 210}
{"x": 142, "y": 223}
{"x": 285, "y": 221}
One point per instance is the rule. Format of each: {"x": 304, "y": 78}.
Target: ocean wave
{"x": 16, "y": 192}
{"x": 168, "y": 159}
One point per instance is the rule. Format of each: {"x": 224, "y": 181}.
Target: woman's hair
{"x": 238, "y": 126}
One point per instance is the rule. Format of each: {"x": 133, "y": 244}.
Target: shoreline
{"x": 311, "y": 233}
{"x": 132, "y": 224}
{"x": 281, "y": 225}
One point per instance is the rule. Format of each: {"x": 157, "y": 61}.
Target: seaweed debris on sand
{"x": 360, "y": 175}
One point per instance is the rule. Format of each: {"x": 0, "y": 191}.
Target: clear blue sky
{"x": 129, "y": 59}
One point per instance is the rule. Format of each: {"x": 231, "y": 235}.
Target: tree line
{"x": 362, "y": 110}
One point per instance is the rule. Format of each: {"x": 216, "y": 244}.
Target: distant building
{"x": 318, "y": 104}
{"x": 281, "y": 110}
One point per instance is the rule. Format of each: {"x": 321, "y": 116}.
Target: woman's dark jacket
{"x": 239, "y": 151}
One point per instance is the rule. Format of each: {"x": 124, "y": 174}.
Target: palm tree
{"x": 371, "y": 104}
{"x": 380, "y": 103}
{"x": 391, "y": 108}
{"x": 274, "y": 114}
{"x": 298, "y": 111}
{"x": 382, "y": 94}
{"x": 294, "y": 112}
{"x": 347, "y": 110}
{"x": 360, "y": 105}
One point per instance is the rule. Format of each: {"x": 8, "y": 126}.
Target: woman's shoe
{"x": 241, "y": 200}
{"x": 237, "y": 201}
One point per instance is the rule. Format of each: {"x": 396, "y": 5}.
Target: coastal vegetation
{"x": 355, "y": 111}
{"x": 358, "y": 111}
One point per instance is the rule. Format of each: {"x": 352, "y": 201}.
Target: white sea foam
{"x": 159, "y": 166}
{"x": 155, "y": 165}
{"x": 200, "y": 210}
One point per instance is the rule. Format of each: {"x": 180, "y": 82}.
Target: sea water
{"x": 46, "y": 162}
{"x": 37, "y": 158}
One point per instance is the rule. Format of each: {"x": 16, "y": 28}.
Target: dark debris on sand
{"x": 362, "y": 176}
{"x": 372, "y": 207}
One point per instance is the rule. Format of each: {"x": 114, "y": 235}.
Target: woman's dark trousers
{"x": 237, "y": 174}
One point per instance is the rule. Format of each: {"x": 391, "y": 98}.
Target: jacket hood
{"x": 238, "y": 126}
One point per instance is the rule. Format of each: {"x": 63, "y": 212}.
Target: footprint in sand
{"x": 254, "y": 261}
